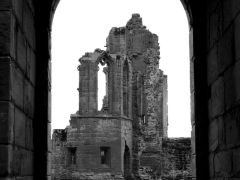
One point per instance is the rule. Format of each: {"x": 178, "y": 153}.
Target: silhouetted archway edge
{"x": 199, "y": 102}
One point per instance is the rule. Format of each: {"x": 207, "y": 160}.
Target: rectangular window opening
{"x": 72, "y": 155}
{"x": 105, "y": 154}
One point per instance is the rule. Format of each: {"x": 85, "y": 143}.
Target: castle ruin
{"x": 127, "y": 139}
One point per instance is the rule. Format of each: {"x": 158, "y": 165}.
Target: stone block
{"x": 229, "y": 96}
{"x": 18, "y": 8}
{"x": 236, "y": 161}
{"x": 232, "y": 85}
{"x": 211, "y": 165}
{"x": 13, "y": 40}
{"x": 5, "y": 160}
{"x": 210, "y": 109}
{"x": 6, "y": 121}
{"x": 5, "y": 31}
{"x": 31, "y": 64}
{"x": 214, "y": 27}
{"x": 237, "y": 38}
{"x": 28, "y": 24}
{"x": 20, "y": 128}
{"x": 217, "y": 97}
{"x": 21, "y": 50}
{"x": 17, "y": 86}
{"x": 28, "y": 101}
{"x": 232, "y": 129}
{"x": 22, "y": 162}
{"x": 212, "y": 65}
{"x": 212, "y": 5}
{"x": 230, "y": 10}
{"x": 29, "y": 134}
{"x": 31, "y": 5}
{"x": 236, "y": 77}
{"x": 221, "y": 133}
{"x": 223, "y": 163}
{"x": 225, "y": 51}
{"x": 213, "y": 135}
{"x": 5, "y": 4}
{"x": 27, "y": 164}
{"x": 4, "y": 79}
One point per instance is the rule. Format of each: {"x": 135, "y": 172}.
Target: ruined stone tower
{"x": 126, "y": 136}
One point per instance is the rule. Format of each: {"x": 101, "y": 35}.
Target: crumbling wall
{"x": 152, "y": 128}
{"x": 176, "y": 159}
{"x": 59, "y": 140}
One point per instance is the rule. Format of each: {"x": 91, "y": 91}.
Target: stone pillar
{"x": 88, "y": 80}
{"x": 117, "y": 87}
{"x": 93, "y": 87}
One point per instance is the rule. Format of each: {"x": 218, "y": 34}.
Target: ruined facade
{"x": 125, "y": 139}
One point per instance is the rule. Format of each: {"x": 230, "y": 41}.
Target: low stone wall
{"x": 176, "y": 156}
{"x": 89, "y": 176}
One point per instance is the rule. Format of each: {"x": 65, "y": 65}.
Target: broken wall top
{"x": 133, "y": 39}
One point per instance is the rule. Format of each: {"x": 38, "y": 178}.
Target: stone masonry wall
{"x": 176, "y": 159}
{"x": 17, "y": 88}
{"x": 87, "y": 135}
{"x": 154, "y": 128}
{"x": 223, "y": 63}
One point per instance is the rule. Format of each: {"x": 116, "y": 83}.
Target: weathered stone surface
{"x": 22, "y": 162}
{"x": 17, "y": 86}
{"x": 4, "y": 79}
{"x": 225, "y": 168}
{"x": 176, "y": 158}
{"x": 7, "y": 122}
{"x": 217, "y": 97}
{"x": 21, "y": 50}
{"x": 20, "y": 128}
{"x": 5, "y": 160}
{"x": 5, "y": 26}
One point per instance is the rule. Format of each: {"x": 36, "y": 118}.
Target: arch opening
{"x": 144, "y": 117}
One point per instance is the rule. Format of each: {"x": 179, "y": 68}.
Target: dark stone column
{"x": 88, "y": 80}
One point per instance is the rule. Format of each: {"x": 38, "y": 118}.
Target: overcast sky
{"x": 82, "y": 26}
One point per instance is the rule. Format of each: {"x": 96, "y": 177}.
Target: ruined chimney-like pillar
{"x": 115, "y": 86}
{"x": 88, "y": 80}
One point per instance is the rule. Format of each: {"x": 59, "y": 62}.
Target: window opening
{"x": 102, "y": 84}
{"x": 105, "y": 155}
{"x": 72, "y": 155}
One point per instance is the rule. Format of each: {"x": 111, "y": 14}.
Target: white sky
{"x": 82, "y": 26}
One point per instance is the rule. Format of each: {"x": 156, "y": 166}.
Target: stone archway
{"x": 198, "y": 75}
{"x": 214, "y": 28}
